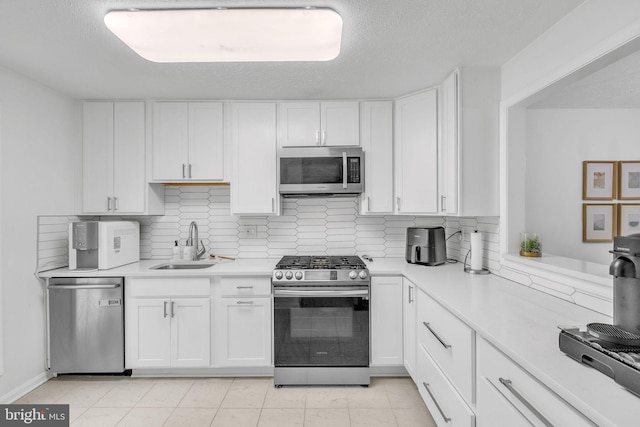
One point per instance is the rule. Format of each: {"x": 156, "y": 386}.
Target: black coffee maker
{"x": 625, "y": 270}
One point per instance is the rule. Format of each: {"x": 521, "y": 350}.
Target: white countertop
{"x": 520, "y": 321}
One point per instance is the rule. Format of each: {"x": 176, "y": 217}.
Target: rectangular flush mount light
{"x": 229, "y": 35}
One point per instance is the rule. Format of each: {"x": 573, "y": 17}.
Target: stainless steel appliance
{"x": 321, "y": 320}
{"x": 86, "y": 325}
{"x": 326, "y": 171}
{"x": 100, "y": 245}
{"x": 614, "y": 349}
{"x": 426, "y": 245}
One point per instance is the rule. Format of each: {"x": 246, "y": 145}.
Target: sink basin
{"x": 195, "y": 265}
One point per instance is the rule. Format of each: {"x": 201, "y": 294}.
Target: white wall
{"x": 40, "y": 145}
{"x": 558, "y": 140}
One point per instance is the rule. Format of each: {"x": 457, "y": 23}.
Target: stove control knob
{"x": 278, "y": 274}
{"x": 353, "y": 274}
{"x": 298, "y": 275}
{"x": 363, "y": 274}
{"x": 288, "y": 275}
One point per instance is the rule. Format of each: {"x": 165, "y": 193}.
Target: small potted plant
{"x": 530, "y": 244}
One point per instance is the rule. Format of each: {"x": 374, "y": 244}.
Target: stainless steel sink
{"x": 196, "y": 265}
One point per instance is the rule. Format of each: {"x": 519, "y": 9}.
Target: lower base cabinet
{"x": 165, "y": 329}
{"x": 243, "y": 332}
{"x": 509, "y": 396}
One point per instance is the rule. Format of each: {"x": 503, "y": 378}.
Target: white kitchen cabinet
{"x": 416, "y": 153}
{"x": 386, "y": 321}
{"x": 449, "y": 341}
{"x": 409, "y": 292}
{"x": 376, "y": 125}
{"x": 113, "y": 159}
{"x": 508, "y": 395}
{"x": 188, "y": 141}
{"x": 167, "y": 323}
{"x": 318, "y": 123}
{"x": 469, "y": 145}
{"x": 242, "y": 322}
{"x": 254, "y": 184}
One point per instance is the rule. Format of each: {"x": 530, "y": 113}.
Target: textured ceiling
{"x": 615, "y": 86}
{"x": 389, "y": 48}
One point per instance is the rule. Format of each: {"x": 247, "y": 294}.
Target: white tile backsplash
{"x": 320, "y": 226}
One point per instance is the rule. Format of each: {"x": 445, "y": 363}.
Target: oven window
{"x": 318, "y": 331}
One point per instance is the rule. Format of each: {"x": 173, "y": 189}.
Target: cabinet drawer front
{"x": 449, "y": 341}
{"x": 168, "y": 287}
{"x": 520, "y": 391}
{"x": 245, "y": 286}
{"x": 446, "y": 405}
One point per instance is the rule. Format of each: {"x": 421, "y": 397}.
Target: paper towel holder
{"x": 468, "y": 269}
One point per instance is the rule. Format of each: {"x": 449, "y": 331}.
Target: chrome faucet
{"x": 193, "y": 237}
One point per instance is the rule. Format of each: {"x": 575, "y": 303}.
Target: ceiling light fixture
{"x": 229, "y": 35}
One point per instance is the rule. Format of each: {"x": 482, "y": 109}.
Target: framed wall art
{"x": 599, "y": 180}
{"x": 628, "y": 219}
{"x": 629, "y": 180}
{"x": 599, "y": 222}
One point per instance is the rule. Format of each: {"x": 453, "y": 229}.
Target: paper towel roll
{"x": 476, "y": 250}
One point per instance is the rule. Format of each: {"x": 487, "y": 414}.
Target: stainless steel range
{"x": 321, "y": 320}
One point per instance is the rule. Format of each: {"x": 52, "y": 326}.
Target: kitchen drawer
{"x": 168, "y": 287}
{"x": 445, "y": 404}
{"x": 508, "y": 394}
{"x": 449, "y": 341}
{"x": 245, "y": 286}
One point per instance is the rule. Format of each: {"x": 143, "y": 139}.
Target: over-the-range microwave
{"x": 321, "y": 171}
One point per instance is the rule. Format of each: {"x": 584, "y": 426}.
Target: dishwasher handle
{"x": 76, "y": 287}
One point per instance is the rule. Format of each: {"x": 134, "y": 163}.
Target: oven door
{"x": 320, "y": 328}
{"x": 310, "y": 170}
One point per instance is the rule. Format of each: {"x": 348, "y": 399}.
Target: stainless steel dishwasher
{"x": 86, "y": 325}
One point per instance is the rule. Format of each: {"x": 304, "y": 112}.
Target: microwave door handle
{"x": 344, "y": 170}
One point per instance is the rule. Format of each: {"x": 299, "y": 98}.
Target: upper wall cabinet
{"x": 113, "y": 158}
{"x": 416, "y": 154}
{"x": 254, "y": 184}
{"x": 188, "y": 141}
{"x": 376, "y": 124}
{"x": 318, "y": 123}
{"x": 469, "y": 142}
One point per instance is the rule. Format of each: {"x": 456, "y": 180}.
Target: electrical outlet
{"x": 248, "y": 231}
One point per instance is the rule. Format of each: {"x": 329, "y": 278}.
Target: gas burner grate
{"x": 611, "y": 333}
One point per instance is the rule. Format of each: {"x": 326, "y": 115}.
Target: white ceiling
{"x": 389, "y": 48}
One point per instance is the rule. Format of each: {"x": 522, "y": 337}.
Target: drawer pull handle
{"x": 444, "y": 417}
{"x": 244, "y": 287}
{"x": 244, "y": 302}
{"x": 509, "y": 385}
{"x": 444, "y": 344}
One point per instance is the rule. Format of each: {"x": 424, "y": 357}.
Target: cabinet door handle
{"x": 410, "y": 294}
{"x": 115, "y": 203}
{"x": 318, "y": 137}
{"x": 444, "y": 344}
{"x": 324, "y": 137}
{"x": 244, "y": 302}
{"x": 444, "y": 417}
{"x": 173, "y": 309}
{"x": 368, "y": 204}
{"x": 509, "y": 386}
{"x": 108, "y": 203}
{"x": 244, "y": 287}
{"x": 165, "y": 308}
{"x": 189, "y": 171}
{"x": 183, "y": 171}
{"x": 273, "y": 204}
{"x": 443, "y": 203}
{"x": 398, "y": 203}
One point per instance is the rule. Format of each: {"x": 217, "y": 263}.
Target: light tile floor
{"x": 231, "y": 402}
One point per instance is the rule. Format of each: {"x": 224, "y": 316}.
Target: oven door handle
{"x": 317, "y": 293}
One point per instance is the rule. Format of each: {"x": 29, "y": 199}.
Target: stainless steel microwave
{"x": 330, "y": 171}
